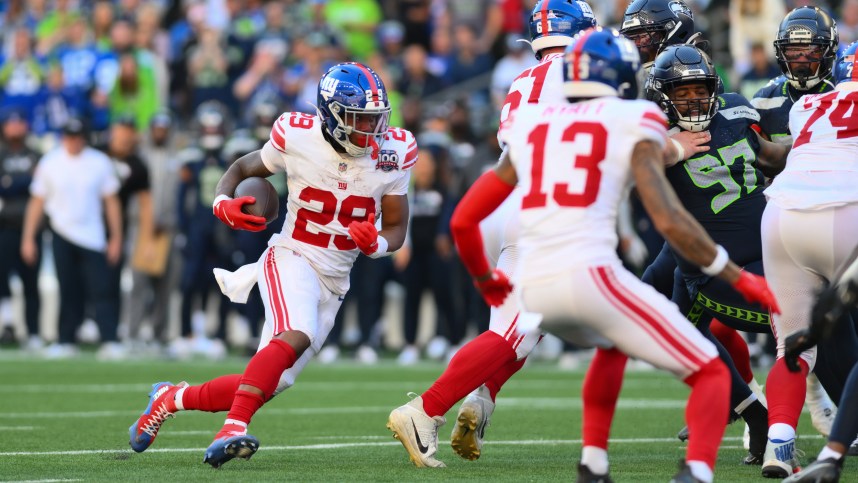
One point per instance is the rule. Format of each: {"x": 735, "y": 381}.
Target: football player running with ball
{"x": 345, "y": 166}
{"x": 568, "y": 269}
{"x": 482, "y": 366}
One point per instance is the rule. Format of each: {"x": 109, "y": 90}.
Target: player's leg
{"x": 794, "y": 288}
{"x": 720, "y": 300}
{"x": 710, "y": 297}
{"x": 292, "y": 294}
{"x": 599, "y": 395}
{"x": 605, "y": 305}
{"x": 830, "y": 460}
{"x": 475, "y": 412}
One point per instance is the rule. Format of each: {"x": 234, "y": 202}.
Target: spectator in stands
{"x": 467, "y": 60}
{"x": 483, "y": 17}
{"x": 77, "y": 187}
{"x": 17, "y": 164}
{"x": 355, "y": 21}
{"x": 262, "y": 82}
{"x": 847, "y": 24}
{"x": 301, "y": 81}
{"x": 102, "y": 20}
{"x": 134, "y": 94}
{"x": 208, "y": 65}
{"x": 518, "y": 58}
{"x": 55, "y": 25}
{"x": 762, "y": 71}
{"x": 752, "y": 22}
{"x": 21, "y": 76}
{"x": 417, "y": 81}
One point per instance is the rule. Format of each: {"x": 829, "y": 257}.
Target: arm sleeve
{"x": 109, "y": 183}
{"x": 276, "y": 148}
{"x": 39, "y": 186}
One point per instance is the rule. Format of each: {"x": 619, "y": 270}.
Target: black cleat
{"x": 682, "y": 435}
{"x": 820, "y": 471}
{"x": 853, "y": 449}
{"x": 587, "y": 476}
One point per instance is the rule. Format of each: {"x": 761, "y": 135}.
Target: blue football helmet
{"x": 354, "y": 107}
{"x": 600, "y": 62}
{"x": 806, "y": 46}
{"x": 844, "y": 68}
{"x": 553, "y": 23}
{"x": 655, "y": 24}
{"x": 678, "y": 66}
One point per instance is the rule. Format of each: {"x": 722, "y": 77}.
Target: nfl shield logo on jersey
{"x": 343, "y": 167}
{"x": 388, "y": 160}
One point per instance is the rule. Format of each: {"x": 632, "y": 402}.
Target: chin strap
{"x": 374, "y": 146}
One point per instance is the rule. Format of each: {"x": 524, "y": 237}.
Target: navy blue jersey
{"x": 774, "y": 102}
{"x": 722, "y": 188}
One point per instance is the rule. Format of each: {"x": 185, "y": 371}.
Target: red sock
{"x": 499, "y": 378}
{"x": 601, "y": 389}
{"x": 213, "y": 396}
{"x": 263, "y": 372}
{"x": 736, "y": 346}
{"x": 472, "y": 365}
{"x": 707, "y": 411}
{"x": 785, "y": 392}
{"x": 244, "y": 406}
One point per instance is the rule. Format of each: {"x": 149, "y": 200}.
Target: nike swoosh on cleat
{"x": 423, "y": 449}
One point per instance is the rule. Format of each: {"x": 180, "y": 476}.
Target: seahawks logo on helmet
{"x": 678, "y": 7}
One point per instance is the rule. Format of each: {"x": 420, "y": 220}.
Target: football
{"x": 267, "y": 200}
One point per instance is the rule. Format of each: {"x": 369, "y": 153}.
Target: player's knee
{"x": 296, "y": 339}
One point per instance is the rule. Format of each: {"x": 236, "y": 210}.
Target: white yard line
{"x": 561, "y": 403}
{"x": 17, "y": 428}
{"x": 311, "y": 447}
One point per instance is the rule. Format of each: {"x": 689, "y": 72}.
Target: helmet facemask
{"x": 804, "y": 64}
{"x": 360, "y": 131}
{"x": 692, "y": 102}
{"x": 649, "y": 39}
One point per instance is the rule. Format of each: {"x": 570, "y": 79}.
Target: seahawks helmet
{"x": 844, "y": 68}
{"x": 806, "y": 36}
{"x": 553, "y": 23}
{"x": 352, "y": 100}
{"x": 677, "y": 66}
{"x": 600, "y": 62}
{"x": 655, "y": 24}
{"x": 211, "y": 122}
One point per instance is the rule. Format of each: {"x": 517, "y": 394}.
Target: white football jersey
{"x": 540, "y": 84}
{"x": 572, "y": 162}
{"x": 328, "y": 190}
{"x": 822, "y": 167}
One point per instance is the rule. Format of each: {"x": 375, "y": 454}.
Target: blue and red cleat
{"x": 230, "y": 443}
{"x": 161, "y": 406}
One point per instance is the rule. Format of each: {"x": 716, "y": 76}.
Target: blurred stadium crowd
{"x": 174, "y": 91}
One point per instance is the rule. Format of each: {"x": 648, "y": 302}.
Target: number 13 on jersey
{"x": 594, "y": 136}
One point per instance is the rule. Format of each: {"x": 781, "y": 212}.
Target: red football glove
{"x": 495, "y": 288}
{"x": 228, "y": 210}
{"x": 755, "y": 289}
{"x": 365, "y": 235}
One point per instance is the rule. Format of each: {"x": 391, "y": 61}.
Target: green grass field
{"x": 68, "y": 421}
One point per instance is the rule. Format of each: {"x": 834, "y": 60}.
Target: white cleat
{"x": 475, "y": 414}
{"x": 779, "y": 459}
{"x": 822, "y": 410}
{"x": 417, "y": 432}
